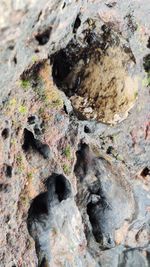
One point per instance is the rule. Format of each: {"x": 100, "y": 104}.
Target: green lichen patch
{"x": 25, "y": 84}
{"x": 19, "y": 163}
{"x": 22, "y": 109}
{"x": 66, "y": 169}
{"x": 67, "y": 152}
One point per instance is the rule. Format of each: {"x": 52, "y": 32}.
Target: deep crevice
{"x": 77, "y": 23}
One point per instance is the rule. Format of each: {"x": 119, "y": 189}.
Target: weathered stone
{"x": 55, "y": 58}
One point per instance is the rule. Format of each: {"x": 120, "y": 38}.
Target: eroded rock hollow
{"x": 100, "y": 77}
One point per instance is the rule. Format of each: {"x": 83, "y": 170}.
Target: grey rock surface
{"x": 105, "y": 221}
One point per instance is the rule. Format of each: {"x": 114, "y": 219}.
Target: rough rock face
{"x": 103, "y": 193}
{"x": 74, "y": 133}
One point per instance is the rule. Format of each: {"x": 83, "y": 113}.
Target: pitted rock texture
{"x": 51, "y": 56}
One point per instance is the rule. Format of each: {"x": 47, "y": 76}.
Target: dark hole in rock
{"x": 146, "y": 63}
{"x": 58, "y": 189}
{"x": 61, "y": 67}
{"x": 37, "y": 145}
{"x": 15, "y": 60}
{"x": 5, "y": 133}
{"x": 7, "y": 218}
{"x": 38, "y": 224}
{"x": 8, "y": 171}
{"x": 109, "y": 240}
{"x": 110, "y": 150}
{"x": 77, "y": 23}
{"x": 31, "y": 119}
{"x": 63, "y": 188}
{"x": 37, "y": 50}
{"x": 28, "y": 140}
{"x": 59, "y": 186}
{"x": 40, "y": 204}
{"x": 11, "y": 47}
{"x": 43, "y": 37}
{"x": 148, "y": 43}
{"x": 89, "y": 76}
{"x": 87, "y": 129}
{"x": 145, "y": 172}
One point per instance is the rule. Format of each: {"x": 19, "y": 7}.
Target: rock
{"x": 131, "y": 258}
{"x": 30, "y": 141}
{"x": 101, "y": 82}
{"x": 104, "y": 192}
{"x": 47, "y": 214}
{"x": 69, "y": 72}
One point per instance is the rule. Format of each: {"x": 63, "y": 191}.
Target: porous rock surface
{"x": 74, "y": 133}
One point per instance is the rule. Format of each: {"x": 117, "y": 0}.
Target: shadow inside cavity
{"x": 35, "y": 144}
{"x": 96, "y": 204}
{"x": 43, "y": 37}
